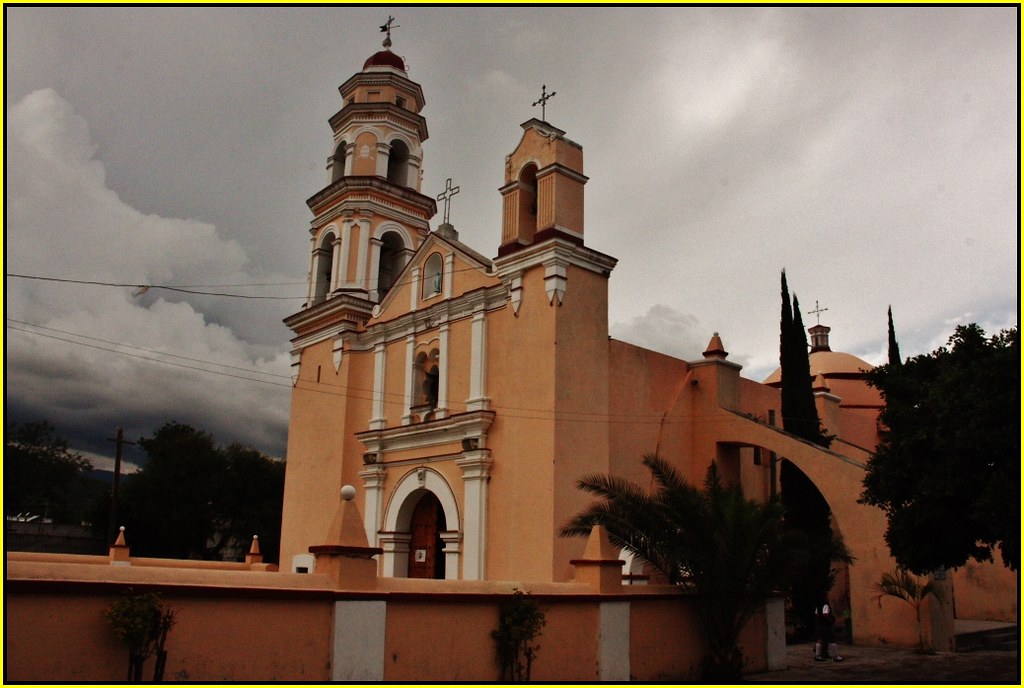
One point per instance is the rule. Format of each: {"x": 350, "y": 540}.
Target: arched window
{"x": 323, "y": 265}
{"x": 398, "y": 163}
{"x": 433, "y": 276}
{"x": 338, "y": 163}
{"x": 392, "y": 260}
{"x": 429, "y": 382}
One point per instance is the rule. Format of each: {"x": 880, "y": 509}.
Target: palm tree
{"x": 730, "y": 551}
{"x": 903, "y": 585}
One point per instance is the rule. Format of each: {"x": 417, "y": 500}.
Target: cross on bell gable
{"x": 543, "y": 100}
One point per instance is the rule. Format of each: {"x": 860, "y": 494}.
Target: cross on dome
{"x": 386, "y": 27}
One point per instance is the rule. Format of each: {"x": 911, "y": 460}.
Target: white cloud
{"x": 65, "y": 223}
{"x": 665, "y": 330}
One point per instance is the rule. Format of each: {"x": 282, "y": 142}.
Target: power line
{"x": 146, "y": 287}
{"x": 355, "y": 393}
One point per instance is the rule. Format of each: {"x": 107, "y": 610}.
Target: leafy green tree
{"x": 142, "y": 623}
{"x": 730, "y": 551}
{"x": 799, "y": 413}
{"x": 947, "y": 472}
{"x": 40, "y": 471}
{"x": 519, "y": 625}
{"x": 170, "y": 506}
{"x": 251, "y": 498}
{"x": 193, "y": 499}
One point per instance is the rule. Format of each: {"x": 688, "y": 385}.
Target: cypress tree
{"x": 785, "y": 356}
{"x": 807, "y": 424}
{"x": 799, "y": 413}
{"x": 894, "y": 347}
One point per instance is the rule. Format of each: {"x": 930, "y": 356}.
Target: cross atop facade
{"x": 818, "y": 310}
{"x": 446, "y": 196}
{"x": 386, "y": 27}
{"x": 543, "y": 100}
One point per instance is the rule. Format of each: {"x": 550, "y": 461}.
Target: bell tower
{"x": 543, "y": 191}
{"x": 370, "y": 217}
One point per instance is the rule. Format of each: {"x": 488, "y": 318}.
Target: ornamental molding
{"x": 468, "y": 428}
{"x": 369, "y": 189}
{"x": 554, "y": 251}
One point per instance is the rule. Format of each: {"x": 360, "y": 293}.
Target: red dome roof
{"x": 385, "y": 58}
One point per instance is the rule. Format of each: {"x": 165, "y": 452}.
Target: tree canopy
{"x": 729, "y": 550}
{"x": 947, "y": 472}
{"x": 40, "y": 470}
{"x": 193, "y": 499}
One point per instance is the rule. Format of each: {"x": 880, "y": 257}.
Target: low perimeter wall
{"x": 262, "y": 625}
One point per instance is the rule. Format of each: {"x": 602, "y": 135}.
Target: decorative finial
{"x": 348, "y": 493}
{"x": 543, "y": 100}
{"x": 386, "y": 27}
{"x": 446, "y": 196}
{"x": 818, "y": 310}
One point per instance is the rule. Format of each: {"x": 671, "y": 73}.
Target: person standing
{"x": 825, "y": 647}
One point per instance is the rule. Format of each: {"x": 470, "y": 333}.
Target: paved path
{"x": 880, "y": 665}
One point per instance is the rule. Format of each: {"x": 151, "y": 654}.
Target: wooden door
{"x": 426, "y": 557}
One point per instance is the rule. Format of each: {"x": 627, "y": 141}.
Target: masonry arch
{"x": 825, "y": 576}
{"x": 398, "y": 162}
{"x": 390, "y": 262}
{"x": 323, "y": 264}
{"x": 401, "y": 515}
{"x": 528, "y": 202}
{"x": 337, "y": 162}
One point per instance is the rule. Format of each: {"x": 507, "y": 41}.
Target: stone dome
{"x": 384, "y": 58}
{"x": 829, "y": 363}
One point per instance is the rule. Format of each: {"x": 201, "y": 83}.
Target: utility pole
{"x": 119, "y": 441}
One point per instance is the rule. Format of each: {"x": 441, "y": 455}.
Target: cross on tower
{"x": 818, "y": 310}
{"x": 446, "y": 196}
{"x": 543, "y": 100}
{"x": 386, "y": 27}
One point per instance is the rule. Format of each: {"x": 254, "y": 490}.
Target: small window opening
{"x": 400, "y": 101}
{"x": 433, "y": 276}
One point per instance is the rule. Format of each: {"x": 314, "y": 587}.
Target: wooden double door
{"x": 426, "y": 548}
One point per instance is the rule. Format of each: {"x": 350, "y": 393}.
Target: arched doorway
{"x": 426, "y": 557}
{"x": 824, "y": 576}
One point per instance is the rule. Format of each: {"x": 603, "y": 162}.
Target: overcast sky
{"x": 871, "y": 152}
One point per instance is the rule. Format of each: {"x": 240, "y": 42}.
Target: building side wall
{"x": 521, "y": 386}
{"x": 262, "y": 627}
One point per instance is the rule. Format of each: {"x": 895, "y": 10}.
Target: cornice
{"x": 456, "y": 428}
{"x": 361, "y": 337}
{"x": 372, "y": 190}
{"x": 340, "y": 312}
{"x": 371, "y": 113}
{"x": 381, "y": 78}
{"x": 556, "y": 249}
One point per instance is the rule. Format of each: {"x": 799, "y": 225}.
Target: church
{"x": 462, "y": 391}
{"x": 446, "y": 400}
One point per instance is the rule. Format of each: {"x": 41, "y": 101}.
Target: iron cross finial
{"x": 543, "y": 100}
{"x": 818, "y": 310}
{"x": 386, "y": 28}
{"x": 446, "y": 196}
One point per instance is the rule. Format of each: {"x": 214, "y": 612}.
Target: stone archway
{"x": 396, "y": 535}
{"x": 824, "y": 575}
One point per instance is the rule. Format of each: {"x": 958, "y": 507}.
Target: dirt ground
{"x": 876, "y": 665}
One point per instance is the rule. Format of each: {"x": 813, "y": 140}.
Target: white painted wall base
{"x": 357, "y": 652}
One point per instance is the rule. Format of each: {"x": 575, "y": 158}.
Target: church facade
{"x": 463, "y": 395}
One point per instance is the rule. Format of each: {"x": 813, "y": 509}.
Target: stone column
{"x": 476, "y": 468}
